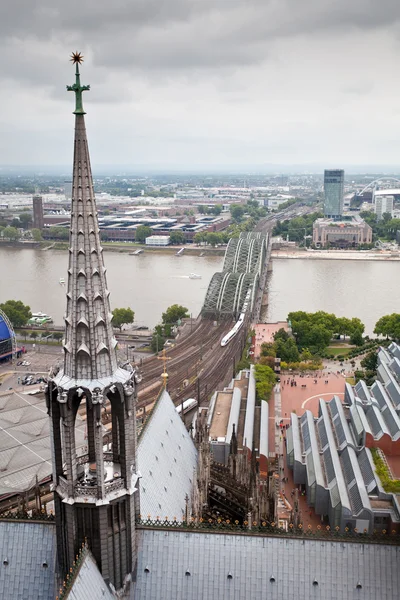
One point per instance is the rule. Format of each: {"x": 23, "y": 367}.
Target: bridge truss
{"x": 244, "y": 261}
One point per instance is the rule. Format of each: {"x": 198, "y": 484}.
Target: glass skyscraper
{"x": 333, "y": 189}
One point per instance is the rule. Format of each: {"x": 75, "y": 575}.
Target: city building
{"x": 38, "y": 222}
{"x": 334, "y": 456}
{"x": 158, "y": 240}
{"x": 234, "y": 411}
{"x": 383, "y": 201}
{"x": 345, "y": 233}
{"x": 68, "y": 190}
{"x": 333, "y": 190}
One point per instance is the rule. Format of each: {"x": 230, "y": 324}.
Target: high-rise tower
{"x": 334, "y": 190}
{"x": 94, "y": 491}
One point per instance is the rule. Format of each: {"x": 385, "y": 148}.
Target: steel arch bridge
{"x": 246, "y": 254}
{"x": 373, "y": 183}
{"x": 244, "y": 261}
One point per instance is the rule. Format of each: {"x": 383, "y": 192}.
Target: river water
{"x": 363, "y": 289}
{"x": 149, "y": 283}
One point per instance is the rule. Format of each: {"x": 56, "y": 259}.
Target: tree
{"x": 287, "y": 350}
{"x": 305, "y": 355}
{"x": 216, "y": 209}
{"x": 177, "y": 237}
{"x": 11, "y": 233}
{"x": 356, "y": 338}
{"x": 199, "y": 238}
{"x": 213, "y": 238}
{"x": 37, "y": 235}
{"x": 265, "y": 381}
{"x": 17, "y": 312}
{"x": 158, "y": 339}
{"x": 174, "y": 313}
{"x": 142, "y": 232}
{"x": 237, "y": 211}
{"x": 122, "y": 316}
{"x": 343, "y": 326}
{"x": 281, "y": 334}
{"x": 389, "y": 325}
{"x": 58, "y": 336}
{"x": 25, "y": 219}
{"x": 57, "y": 233}
{"x": 268, "y": 349}
{"x": 34, "y": 335}
{"x": 267, "y": 360}
{"x": 356, "y": 325}
{"x": 319, "y": 338}
{"x": 370, "y": 361}
{"x": 202, "y": 209}
{"x": 315, "y": 330}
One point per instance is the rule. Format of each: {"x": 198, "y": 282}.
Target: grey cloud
{"x": 284, "y": 72}
{"x": 184, "y": 34}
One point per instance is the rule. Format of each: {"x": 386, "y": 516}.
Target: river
{"x": 150, "y": 283}
{"x": 363, "y": 289}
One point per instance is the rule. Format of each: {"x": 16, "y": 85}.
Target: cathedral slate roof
{"x": 27, "y": 560}
{"x": 89, "y": 583}
{"x": 25, "y": 448}
{"x": 167, "y": 459}
{"x": 178, "y": 565}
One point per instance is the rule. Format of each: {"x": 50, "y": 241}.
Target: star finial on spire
{"x": 76, "y": 57}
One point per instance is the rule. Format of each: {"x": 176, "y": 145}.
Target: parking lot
{"x": 39, "y": 359}
{"x": 36, "y": 362}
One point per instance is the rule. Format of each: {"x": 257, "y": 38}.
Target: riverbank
{"x": 129, "y": 248}
{"x": 336, "y": 254}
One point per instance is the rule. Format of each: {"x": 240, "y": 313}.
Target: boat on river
{"x": 194, "y": 276}
{"x": 39, "y": 318}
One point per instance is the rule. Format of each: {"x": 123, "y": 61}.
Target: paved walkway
{"x": 296, "y": 393}
{"x": 306, "y": 391}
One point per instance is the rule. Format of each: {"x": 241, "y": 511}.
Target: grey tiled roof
{"x": 27, "y": 548}
{"x": 88, "y": 583}
{"x": 167, "y": 459}
{"x": 251, "y": 561}
{"x": 25, "y": 446}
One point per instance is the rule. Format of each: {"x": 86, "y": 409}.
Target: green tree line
{"x": 296, "y": 229}
{"x": 315, "y": 330}
{"x": 386, "y": 228}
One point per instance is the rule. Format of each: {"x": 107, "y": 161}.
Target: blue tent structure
{"x": 7, "y": 338}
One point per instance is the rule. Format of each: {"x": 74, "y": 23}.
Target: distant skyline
{"x": 116, "y": 170}
{"x": 204, "y": 85}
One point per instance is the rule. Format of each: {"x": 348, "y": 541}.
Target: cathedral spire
{"x": 94, "y": 485}
{"x": 89, "y": 343}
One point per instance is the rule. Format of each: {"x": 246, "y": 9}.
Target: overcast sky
{"x": 182, "y": 83}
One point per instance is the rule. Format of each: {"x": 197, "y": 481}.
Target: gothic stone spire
{"x": 89, "y": 343}
{"x": 95, "y": 485}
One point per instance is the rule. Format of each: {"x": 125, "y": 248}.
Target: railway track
{"x": 189, "y": 360}
{"x": 213, "y": 372}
